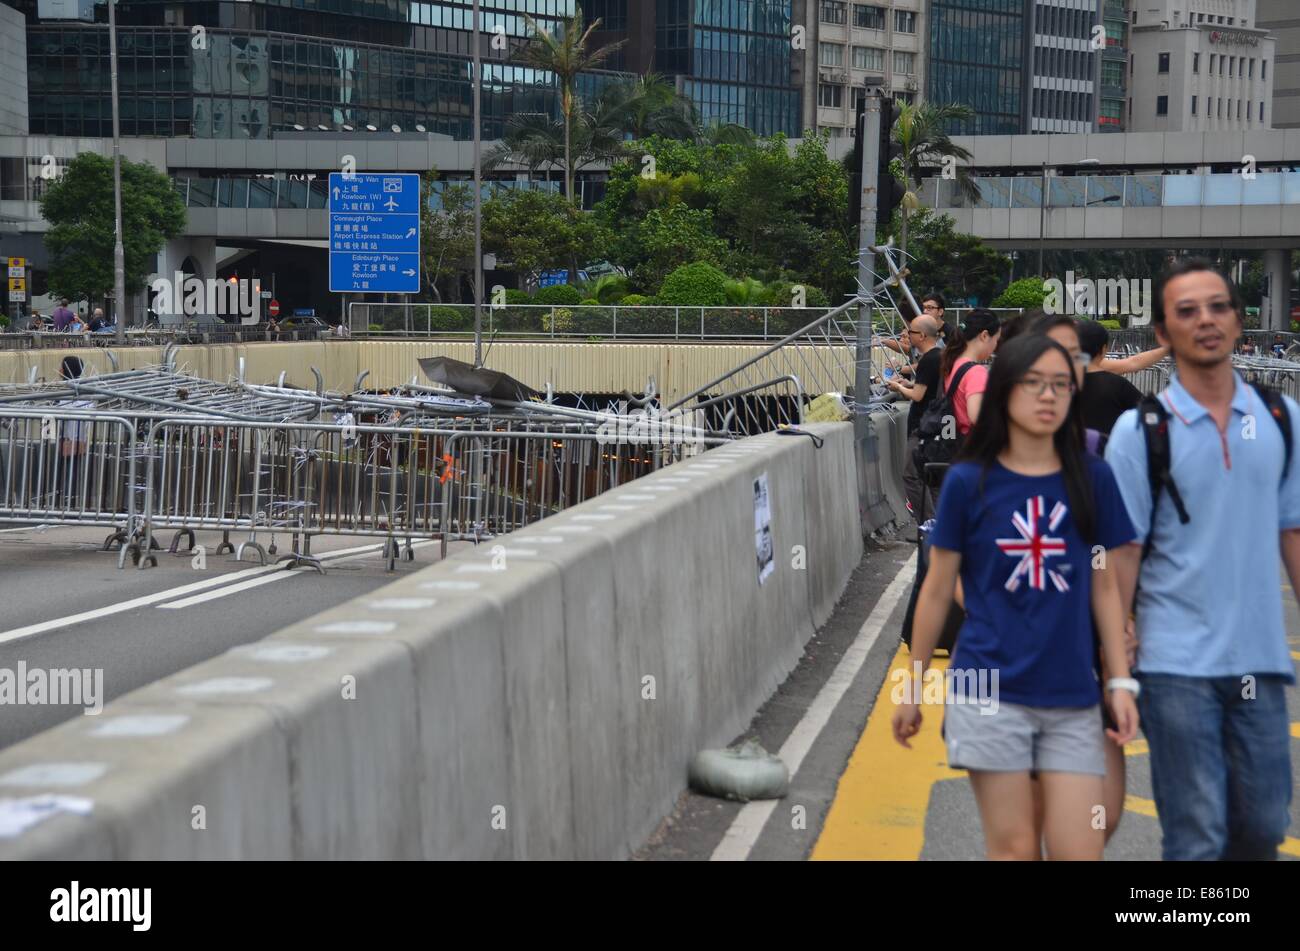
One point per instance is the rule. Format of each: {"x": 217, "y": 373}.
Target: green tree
{"x": 567, "y": 52}
{"x": 1026, "y": 292}
{"x": 961, "y": 266}
{"x": 651, "y": 105}
{"x": 667, "y": 238}
{"x": 447, "y": 240}
{"x": 694, "y": 285}
{"x": 532, "y": 231}
{"x": 79, "y": 208}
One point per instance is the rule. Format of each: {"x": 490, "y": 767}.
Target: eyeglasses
{"x": 1036, "y": 386}
{"x": 930, "y": 305}
{"x": 1217, "y": 308}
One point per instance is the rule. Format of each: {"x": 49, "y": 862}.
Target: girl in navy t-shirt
{"x": 1026, "y": 519}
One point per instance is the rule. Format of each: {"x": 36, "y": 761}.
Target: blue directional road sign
{"x": 374, "y": 233}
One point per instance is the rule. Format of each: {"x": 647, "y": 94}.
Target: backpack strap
{"x": 951, "y": 392}
{"x": 1277, "y": 409}
{"x": 1155, "y": 427}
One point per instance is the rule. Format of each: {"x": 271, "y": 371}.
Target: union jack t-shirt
{"x": 1027, "y": 578}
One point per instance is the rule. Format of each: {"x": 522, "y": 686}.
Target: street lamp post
{"x": 478, "y": 196}
{"x": 119, "y": 254}
{"x": 1042, "y": 202}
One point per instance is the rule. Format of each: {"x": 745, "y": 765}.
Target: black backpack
{"x": 933, "y": 443}
{"x": 1154, "y": 420}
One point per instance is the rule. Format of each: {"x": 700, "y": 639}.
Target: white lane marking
{"x": 53, "y": 624}
{"x": 38, "y": 529}
{"x": 740, "y": 838}
{"x": 31, "y": 630}
{"x": 347, "y": 554}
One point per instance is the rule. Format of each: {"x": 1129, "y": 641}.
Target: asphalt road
{"x": 65, "y": 604}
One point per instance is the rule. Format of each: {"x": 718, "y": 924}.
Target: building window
{"x": 1261, "y": 111}
{"x": 1239, "y": 108}
{"x": 830, "y": 54}
{"x": 868, "y": 57}
{"x": 1263, "y": 69}
{"x": 1162, "y": 105}
{"x": 1219, "y": 111}
{"x": 904, "y": 21}
{"x": 1193, "y": 105}
{"x": 1232, "y": 66}
{"x": 834, "y": 11}
{"x": 904, "y": 62}
{"x": 1212, "y": 59}
{"x": 867, "y": 17}
{"x": 1112, "y": 74}
{"x": 1196, "y": 62}
{"x": 1164, "y": 63}
{"x": 1252, "y": 67}
{"x": 830, "y": 96}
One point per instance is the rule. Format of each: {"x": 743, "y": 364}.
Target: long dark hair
{"x": 972, "y": 325}
{"x": 991, "y": 432}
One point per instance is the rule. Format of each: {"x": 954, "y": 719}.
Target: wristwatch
{"x": 1124, "y": 683}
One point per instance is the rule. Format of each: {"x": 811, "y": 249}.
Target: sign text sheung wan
{"x": 374, "y": 233}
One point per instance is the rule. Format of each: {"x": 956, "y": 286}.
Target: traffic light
{"x": 889, "y": 190}
{"x": 855, "y": 167}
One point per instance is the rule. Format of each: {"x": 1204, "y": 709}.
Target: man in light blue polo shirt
{"x": 1212, "y": 659}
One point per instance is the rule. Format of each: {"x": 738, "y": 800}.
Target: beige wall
{"x": 571, "y": 367}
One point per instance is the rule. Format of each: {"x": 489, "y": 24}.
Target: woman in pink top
{"x": 974, "y": 342}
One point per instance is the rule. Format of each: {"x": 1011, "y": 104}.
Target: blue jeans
{"x": 1220, "y": 765}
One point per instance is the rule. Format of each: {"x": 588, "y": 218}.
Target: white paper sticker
{"x": 141, "y": 725}
{"x": 54, "y": 774}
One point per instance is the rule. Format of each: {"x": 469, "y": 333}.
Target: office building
{"x": 1282, "y": 19}
{"x": 1199, "y": 65}
{"x": 853, "y": 42}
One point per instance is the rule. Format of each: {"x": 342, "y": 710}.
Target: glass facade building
{"x": 733, "y": 58}
{"x": 977, "y": 57}
{"x": 239, "y": 69}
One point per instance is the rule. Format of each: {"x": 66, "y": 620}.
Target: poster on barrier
{"x": 763, "y": 529}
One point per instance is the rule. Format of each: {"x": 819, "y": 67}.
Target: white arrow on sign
{"x": 410, "y": 233}
{"x": 409, "y": 272}
{"x": 336, "y": 193}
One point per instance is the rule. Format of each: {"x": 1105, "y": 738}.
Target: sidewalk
{"x": 856, "y": 794}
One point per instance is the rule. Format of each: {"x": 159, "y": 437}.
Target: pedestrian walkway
{"x": 855, "y": 793}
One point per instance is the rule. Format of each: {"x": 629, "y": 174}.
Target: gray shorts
{"x": 1016, "y": 738}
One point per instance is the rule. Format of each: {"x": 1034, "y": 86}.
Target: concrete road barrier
{"x": 538, "y": 696}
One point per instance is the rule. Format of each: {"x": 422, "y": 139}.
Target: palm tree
{"x": 651, "y": 105}
{"x": 541, "y": 143}
{"x": 566, "y": 54}
{"x": 920, "y": 130}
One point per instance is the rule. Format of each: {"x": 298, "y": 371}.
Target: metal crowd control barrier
{"x": 71, "y": 466}
{"x": 146, "y": 451}
{"x": 401, "y": 484}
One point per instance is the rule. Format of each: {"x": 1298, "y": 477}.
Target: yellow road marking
{"x": 1145, "y": 807}
{"x": 882, "y": 798}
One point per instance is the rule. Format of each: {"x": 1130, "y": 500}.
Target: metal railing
{"x": 156, "y": 337}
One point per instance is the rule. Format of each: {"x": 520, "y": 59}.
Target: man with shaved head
{"x": 924, "y": 335}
